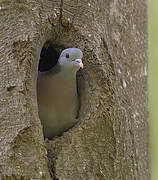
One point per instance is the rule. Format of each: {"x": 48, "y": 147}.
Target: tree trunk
{"x": 111, "y": 140}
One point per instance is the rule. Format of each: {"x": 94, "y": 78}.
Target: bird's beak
{"x": 79, "y": 62}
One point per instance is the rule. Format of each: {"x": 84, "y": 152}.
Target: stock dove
{"x": 57, "y": 93}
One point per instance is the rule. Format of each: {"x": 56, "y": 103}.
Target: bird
{"x": 57, "y": 96}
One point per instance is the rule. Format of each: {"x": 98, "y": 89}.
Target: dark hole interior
{"x": 48, "y": 58}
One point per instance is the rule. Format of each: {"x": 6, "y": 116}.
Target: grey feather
{"x": 57, "y": 94}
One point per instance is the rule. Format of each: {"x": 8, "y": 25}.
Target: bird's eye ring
{"x": 67, "y": 55}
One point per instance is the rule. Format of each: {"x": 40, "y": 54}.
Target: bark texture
{"x": 111, "y": 142}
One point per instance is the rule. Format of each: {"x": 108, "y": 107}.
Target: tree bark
{"x": 111, "y": 140}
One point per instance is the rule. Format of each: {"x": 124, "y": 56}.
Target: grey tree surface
{"x": 111, "y": 141}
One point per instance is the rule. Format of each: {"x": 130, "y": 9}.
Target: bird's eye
{"x": 67, "y": 55}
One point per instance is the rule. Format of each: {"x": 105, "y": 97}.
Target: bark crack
{"x": 61, "y": 11}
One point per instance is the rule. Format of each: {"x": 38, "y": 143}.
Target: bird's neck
{"x": 68, "y": 72}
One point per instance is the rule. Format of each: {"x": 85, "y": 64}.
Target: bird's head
{"x": 71, "y": 58}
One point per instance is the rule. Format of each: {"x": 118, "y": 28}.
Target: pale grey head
{"x": 71, "y": 58}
